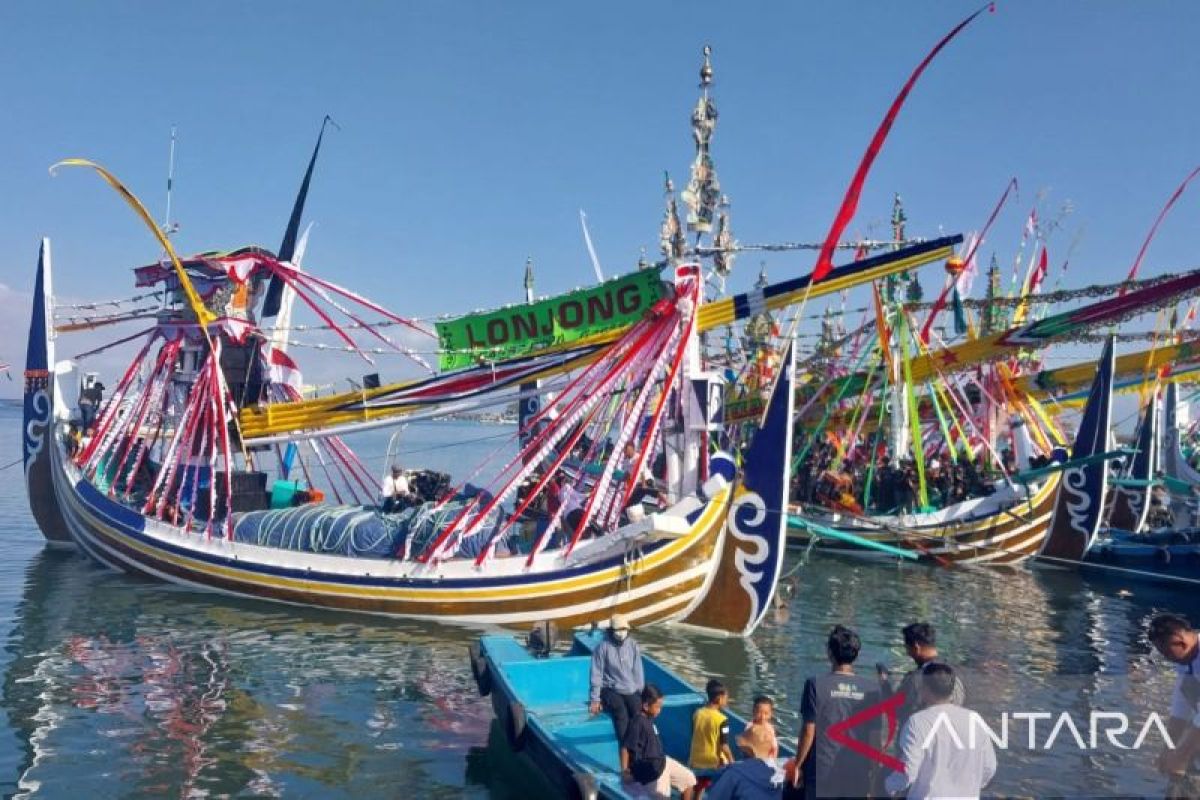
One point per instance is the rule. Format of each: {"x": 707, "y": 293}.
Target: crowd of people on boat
{"x": 927, "y": 704}
{"x": 826, "y": 478}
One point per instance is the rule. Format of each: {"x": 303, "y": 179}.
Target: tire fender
{"x": 480, "y": 670}
{"x": 514, "y": 725}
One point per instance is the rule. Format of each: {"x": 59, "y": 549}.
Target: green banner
{"x": 520, "y": 329}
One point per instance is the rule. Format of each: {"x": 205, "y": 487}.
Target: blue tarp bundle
{"x": 361, "y": 531}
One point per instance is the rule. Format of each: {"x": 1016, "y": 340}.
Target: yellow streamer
{"x": 203, "y": 315}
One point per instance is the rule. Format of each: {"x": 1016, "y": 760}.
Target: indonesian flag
{"x": 283, "y": 370}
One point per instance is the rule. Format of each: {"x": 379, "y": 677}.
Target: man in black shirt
{"x": 642, "y": 756}
{"x": 920, "y": 642}
{"x": 828, "y": 768}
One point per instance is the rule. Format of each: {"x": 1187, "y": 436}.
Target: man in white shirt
{"x": 942, "y": 756}
{"x": 395, "y": 493}
{"x": 1174, "y": 638}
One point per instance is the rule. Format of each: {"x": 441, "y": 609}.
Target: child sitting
{"x": 764, "y": 718}
{"x": 710, "y": 731}
{"x": 642, "y": 756}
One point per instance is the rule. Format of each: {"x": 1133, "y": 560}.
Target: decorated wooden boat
{"x": 711, "y": 559}
{"x": 1004, "y": 528}
{"x": 541, "y": 704}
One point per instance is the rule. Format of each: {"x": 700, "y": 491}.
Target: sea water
{"x": 114, "y": 686}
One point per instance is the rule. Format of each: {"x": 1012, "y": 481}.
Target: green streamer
{"x": 914, "y": 424}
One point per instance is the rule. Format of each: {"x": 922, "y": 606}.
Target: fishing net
{"x": 359, "y": 531}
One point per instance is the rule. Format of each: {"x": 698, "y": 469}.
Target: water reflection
{"x": 147, "y": 690}
{"x": 130, "y": 687}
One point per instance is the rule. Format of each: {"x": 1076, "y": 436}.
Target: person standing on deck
{"x": 1172, "y": 635}
{"x": 710, "y": 730}
{"x": 828, "y": 768}
{"x": 617, "y": 678}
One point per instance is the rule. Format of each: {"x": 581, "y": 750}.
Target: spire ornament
{"x": 670, "y": 239}
{"x": 703, "y": 191}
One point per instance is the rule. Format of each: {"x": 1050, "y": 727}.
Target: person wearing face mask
{"x": 617, "y": 678}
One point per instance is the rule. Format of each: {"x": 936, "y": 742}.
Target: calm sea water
{"x": 117, "y": 687}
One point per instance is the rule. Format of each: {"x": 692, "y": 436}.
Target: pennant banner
{"x": 520, "y": 329}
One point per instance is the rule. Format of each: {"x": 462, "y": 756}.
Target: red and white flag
{"x": 1039, "y": 274}
{"x": 283, "y": 370}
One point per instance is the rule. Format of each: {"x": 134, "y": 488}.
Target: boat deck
{"x": 554, "y": 692}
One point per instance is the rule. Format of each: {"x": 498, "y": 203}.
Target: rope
{"x": 103, "y": 303}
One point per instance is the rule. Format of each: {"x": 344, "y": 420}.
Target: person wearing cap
{"x": 617, "y": 678}
{"x": 757, "y": 777}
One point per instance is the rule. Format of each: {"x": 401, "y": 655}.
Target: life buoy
{"x": 480, "y": 670}
{"x": 514, "y": 725}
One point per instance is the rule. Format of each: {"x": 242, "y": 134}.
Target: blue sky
{"x": 473, "y": 132}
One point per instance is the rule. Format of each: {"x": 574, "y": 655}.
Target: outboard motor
{"x": 542, "y": 639}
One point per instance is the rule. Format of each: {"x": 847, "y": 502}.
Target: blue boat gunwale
{"x": 508, "y": 659}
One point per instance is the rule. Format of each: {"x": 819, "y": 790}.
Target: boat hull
{"x": 1003, "y": 538}
{"x": 1152, "y": 558}
{"x": 652, "y": 583}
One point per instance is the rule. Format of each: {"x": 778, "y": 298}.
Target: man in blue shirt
{"x": 754, "y": 778}
{"x": 617, "y": 679}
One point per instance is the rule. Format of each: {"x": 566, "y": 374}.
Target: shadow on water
{"x": 505, "y": 774}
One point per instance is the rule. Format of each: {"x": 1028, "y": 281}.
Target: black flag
{"x": 288, "y": 249}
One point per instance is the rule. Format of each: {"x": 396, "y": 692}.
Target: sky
{"x": 472, "y": 133}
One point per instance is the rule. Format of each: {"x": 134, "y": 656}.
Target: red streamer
{"x": 940, "y": 303}
{"x": 1137, "y": 262}
{"x": 850, "y": 201}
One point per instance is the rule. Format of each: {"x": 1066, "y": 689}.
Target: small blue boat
{"x": 541, "y": 703}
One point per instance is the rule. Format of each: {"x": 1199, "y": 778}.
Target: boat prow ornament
{"x": 1080, "y": 507}
{"x": 37, "y": 425}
